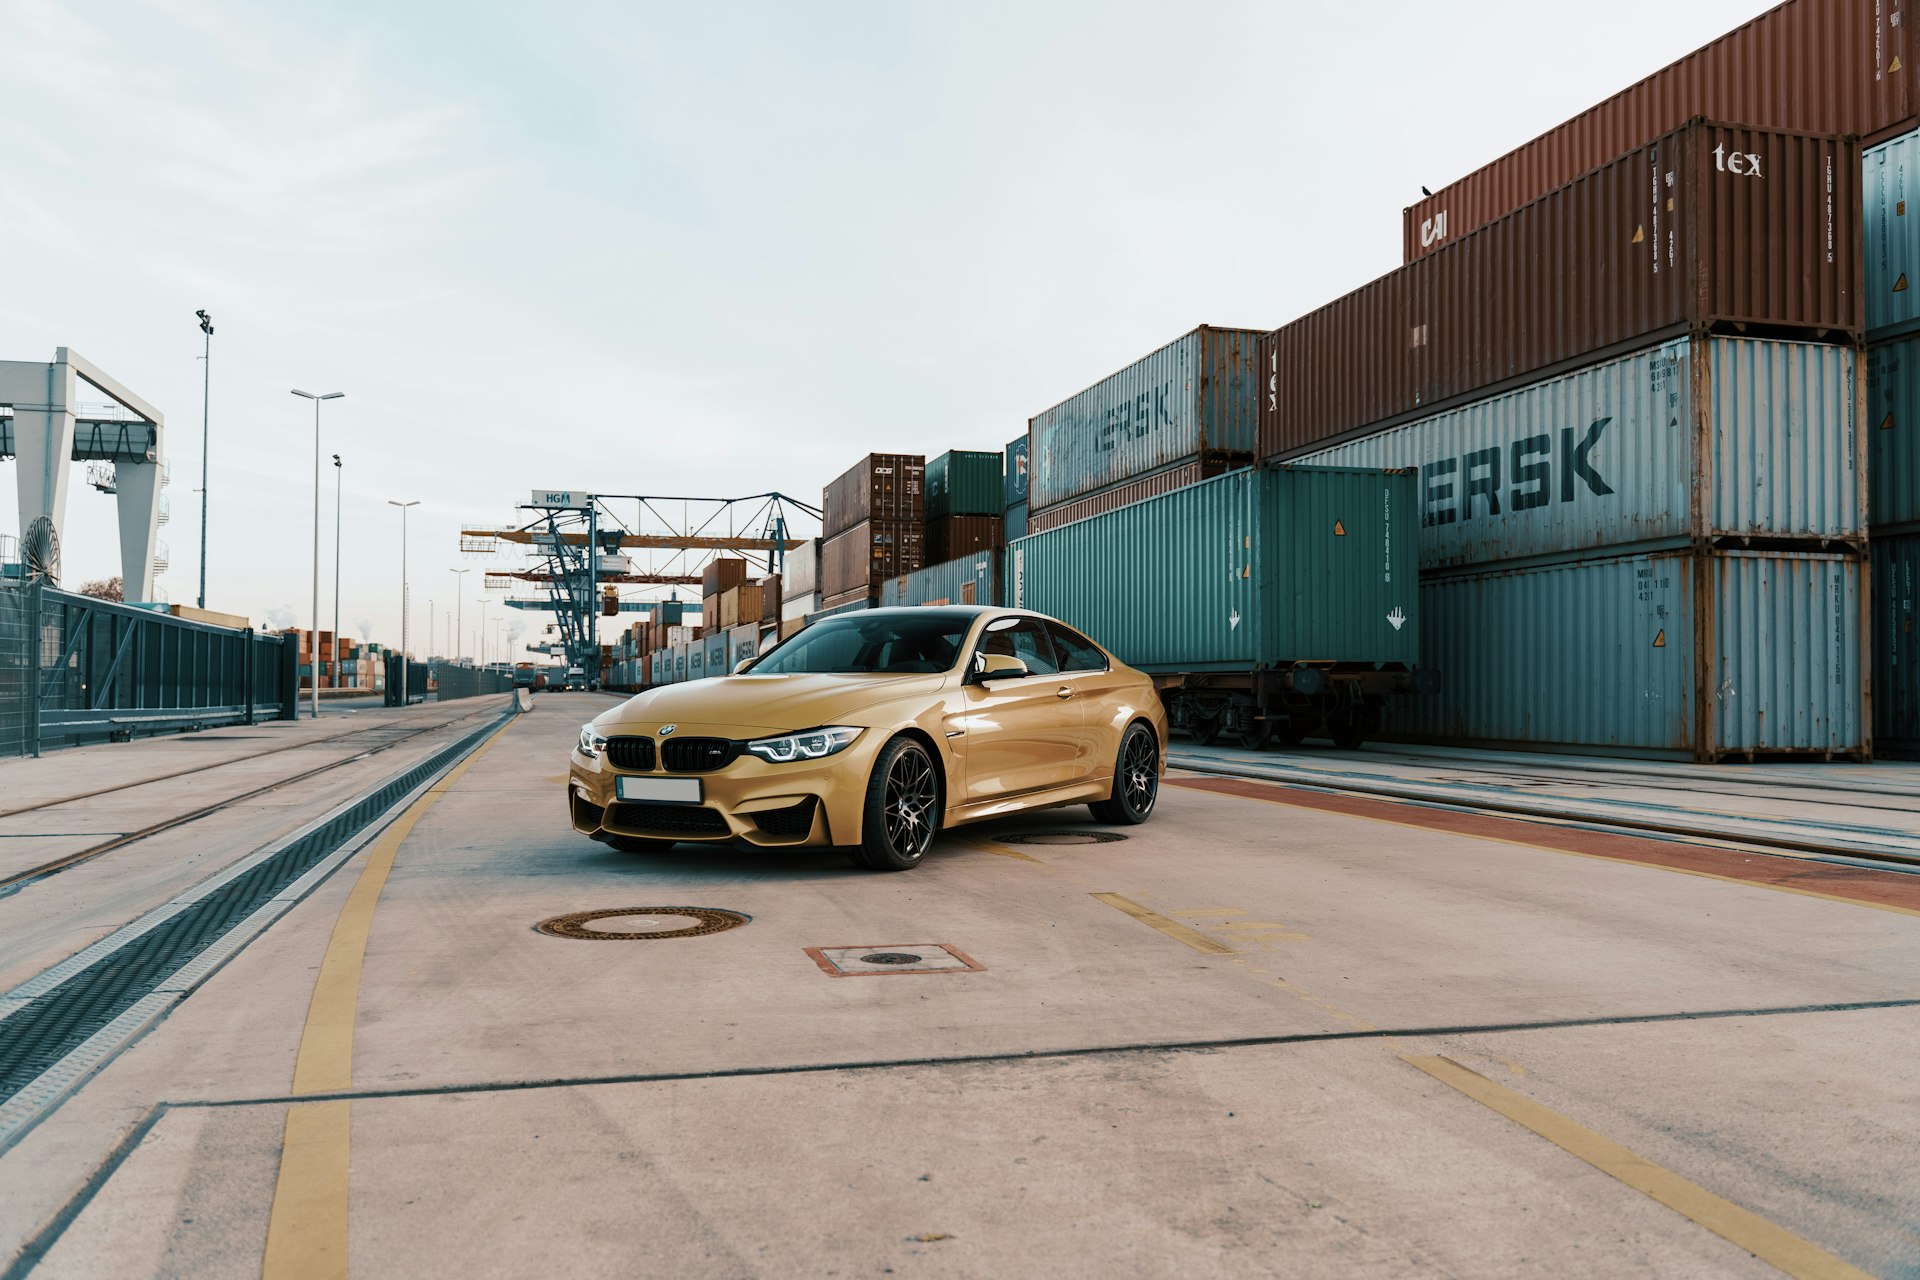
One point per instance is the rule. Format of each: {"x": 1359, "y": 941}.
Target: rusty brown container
{"x": 869, "y": 553}
{"x": 890, "y": 487}
{"x": 1678, "y": 236}
{"x": 1819, "y": 66}
{"x": 1125, "y": 495}
{"x": 951, "y": 537}
{"x": 722, "y": 574}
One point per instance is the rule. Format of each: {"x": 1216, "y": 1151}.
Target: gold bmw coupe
{"x": 871, "y": 731}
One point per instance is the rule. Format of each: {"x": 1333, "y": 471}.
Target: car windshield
{"x": 877, "y": 643}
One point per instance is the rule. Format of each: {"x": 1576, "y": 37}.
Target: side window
{"x": 1075, "y": 651}
{"x": 1025, "y": 639}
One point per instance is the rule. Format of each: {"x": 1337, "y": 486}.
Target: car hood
{"x": 771, "y": 702}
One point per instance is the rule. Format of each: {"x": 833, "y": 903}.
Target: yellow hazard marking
{"x": 1766, "y": 1241}
{"x": 1639, "y": 235}
{"x": 1900, "y": 285}
{"x": 307, "y": 1226}
{"x": 1172, "y": 928}
{"x": 1895, "y": 64}
{"x": 1660, "y": 641}
{"x": 1339, "y": 529}
{"x": 1886, "y": 423}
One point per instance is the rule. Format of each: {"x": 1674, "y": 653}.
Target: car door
{"x": 1022, "y": 734}
{"x": 1085, "y": 671}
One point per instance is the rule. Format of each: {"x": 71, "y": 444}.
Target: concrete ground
{"x": 1255, "y": 1037}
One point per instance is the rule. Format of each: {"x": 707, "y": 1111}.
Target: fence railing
{"x": 74, "y": 670}
{"x": 462, "y": 682}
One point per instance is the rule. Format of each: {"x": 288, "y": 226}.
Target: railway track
{"x": 12, "y": 884}
{"x": 1518, "y": 789}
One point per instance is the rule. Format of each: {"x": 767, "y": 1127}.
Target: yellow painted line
{"x": 307, "y": 1226}
{"x": 1172, "y": 928}
{"x": 1574, "y": 853}
{"x": 997, "y": 849}
{"x": 1772, "y": 1244}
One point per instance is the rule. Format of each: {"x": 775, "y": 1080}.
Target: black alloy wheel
{"x": 638, "y": 844}
{"x": 903, "y": 809}
{"x": 1136, "y": 781}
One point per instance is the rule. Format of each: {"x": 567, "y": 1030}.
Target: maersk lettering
{"x": 1449, "y": 487}
{"x": 1133, "y": 419}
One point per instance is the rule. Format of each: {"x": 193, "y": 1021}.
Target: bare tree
{"x": 105, "y": 589}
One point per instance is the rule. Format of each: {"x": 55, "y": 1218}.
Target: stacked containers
{"x": 965, "y": 492}
{"x": 973, "y": 579}
{"x": 800, "y": 580}
{"x": 1184, "y": 412}
{"x": 1013, "y": 492}
{"x": 1893, "y": 431}
{"x": 874, "y": 527}
{"x": 1831, "y": 66}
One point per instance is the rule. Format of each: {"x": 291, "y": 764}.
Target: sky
{"x": 709, "y": 250}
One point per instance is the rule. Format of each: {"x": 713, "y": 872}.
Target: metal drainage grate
{"x": 706, "y": 920}
{"x": 892, "y": 957}
{"x": 1062, "y": 837}
{"x": 914, "y": 957}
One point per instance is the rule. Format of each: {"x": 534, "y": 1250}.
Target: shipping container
{"x": 743, "y": 643}
{"x": 1896, "y": 648}
{"x": 800, "y": 569}
{"x": 880, "y": 487}
{"x": 870, "y": 553}
{"x": 1727, "y": 439}
{"x": 1893, "y": 435}
{"x": 1822, "y": 66}
{"x": 1892, "y": 244}
{"x": 1198, "y": 396}
{"x": 1703, "y": 655}
{"x": 1267, "y": 600}
{"x": 740, "y": 604}
{"x": 799, "y": 606}
{"x": 1125, "y": 494}
{"x": 965, "y": 482}
{"x": 1015, "y": 523}
{"x": 973, "y": 579}
{"x": 678, "y": 635}
{"x": 950, "y": 537}
{"x": 1014, "y": 481}
{"x": 715, "y": 647}
{"x": 1678, "y": 235}
{"x": 683, "y": 660}
{"x": 846, "y": 602}
{"x": 721, "y": 573}
{"x": 697, "y": 659}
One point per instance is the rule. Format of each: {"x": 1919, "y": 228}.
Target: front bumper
{"x": 812, "y": 804}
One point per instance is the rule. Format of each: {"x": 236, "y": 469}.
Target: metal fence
{"x": 74, "y": 670}
{"x": 461, "y": 682}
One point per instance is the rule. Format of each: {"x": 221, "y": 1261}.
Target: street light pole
{"x": 459, "y": 610}
{"x": 316, "y": 398}
{"x": 206, "y": 392}
{"x": 406, "y": 609}
{"x": 337, "y": 473}
{"x": 483, "y": 631}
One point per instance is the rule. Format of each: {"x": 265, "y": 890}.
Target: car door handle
{"x": 1063, "y": 692}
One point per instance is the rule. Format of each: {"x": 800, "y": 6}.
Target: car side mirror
{"x": 998, "y": 666}
{"x": 742, "y": 665}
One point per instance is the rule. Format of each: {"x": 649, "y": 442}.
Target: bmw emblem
{"x": 666, "y": 729}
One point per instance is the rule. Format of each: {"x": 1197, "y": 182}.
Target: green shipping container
{"x": 1255, "y": 568}
{"x": 963, "y": 482}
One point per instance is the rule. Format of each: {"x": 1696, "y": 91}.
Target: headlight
{"x": 592, "y": 742}
{"x": 814, "y": 744}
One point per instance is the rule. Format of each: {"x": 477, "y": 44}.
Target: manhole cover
{"x": 871, "y": 961}
{"x": 1063, "y": 837}
{"x": 645, "y": 922}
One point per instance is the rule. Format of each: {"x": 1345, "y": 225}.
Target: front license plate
{"x": 670, "y": 790}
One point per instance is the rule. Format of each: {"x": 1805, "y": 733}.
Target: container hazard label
{"x": 1660, "y": 641}
{"x": 1900, "y": 285}
{"x": 1339, "y": 529}
{"x": 1886, "y": 423}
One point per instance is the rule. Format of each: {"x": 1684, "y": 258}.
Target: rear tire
{"x": 1136, "y": 780}
{"x": 638, "y": 844}
{"x": 902, "y": 811}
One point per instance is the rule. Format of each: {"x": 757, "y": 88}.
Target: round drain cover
{"x": 651, "y": 922}
{"x": 1063, "y": 837}
{"x": 892, "y": 957}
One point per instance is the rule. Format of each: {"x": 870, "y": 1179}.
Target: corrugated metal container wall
{"x": 830, "y": 607}
{"x": 800, "y": 572}
{"x": 1126, "y": 494}
{"x": 965, "y": 482}
{"x": 1606, "y": 456}
{"x": 869, "y": 553}
{"x": 1892, "y": 247}
{"x": 881, "y": 486}
{"x": 1587, "y": 271}
{"x": 697, "y": 660}
{"x": 1016, "y": 521}
{"x": 1298, "y": 564}
{"x": 1896, "y": 647}
{"x": 743, "y": 642}
{"x": 967, "y": 580}
{"x": 1893, "y": 435}
{"x": 799, "y": 606}
{"x": 950, "y": 537}
{"x": 1607, "y": 653}
{"x": 1014, "y": 482}
{"x": 1197, "y": 395}
{"x": 715, "y": 647}
{"x": 1825, "y": 66}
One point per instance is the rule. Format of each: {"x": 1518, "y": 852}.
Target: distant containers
{"x": 743, "y": 642}
{"x": 868, "y": 554}
{"x": 1254, "y": 568}
{"x": 1015, "y": 524}
{"x": 1896, "y": 645}
{"x": 1696, "y": 439}
{"x": 965, "y": 482}
{"x": 1013, "y": 482}
{"x": 971, "y": 579}
{"x": 1827, "y": 66}
{"x": 1892, "y": 245}
{"x": 716, "y": 654}
{"x": 1706, "y": 655}
{"x": 792, "y": 606}
{"x": 1195, "y": 397}
{"x": 1680, "y": 234}
{"x": 1893, "y": 435}
{"x": 1113, "y": 498}
{"x": 722, "y": 573}
{"x": 949, "y": 537}
{"x": 800, "y": 571}
{"x": 882, "y": 487}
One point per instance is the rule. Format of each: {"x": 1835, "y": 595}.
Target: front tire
{"x": 903, "y": 809}
{"x": 1136, "y": 781}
